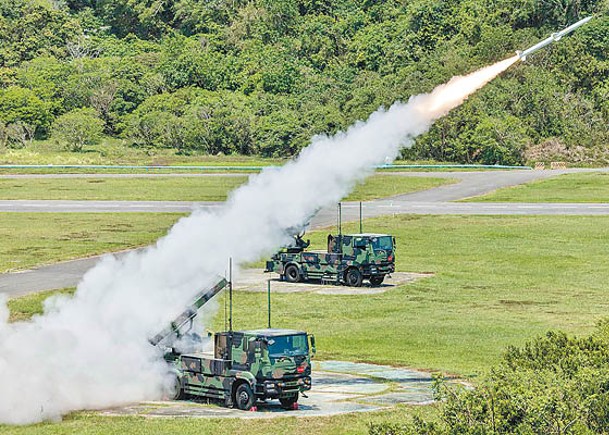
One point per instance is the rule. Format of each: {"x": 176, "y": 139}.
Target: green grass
{"x": 117, "y": 152}
{"x": 214, "y": 188}
{"x": 31, "y": 239}
{"x": 86, "y": 423}
{"x": 23, "y": 308}
{"x": 380, "y": 186}
{"x": 128, "y": 189}
{"x": 583, "y": 187}
{"x": 499, "y": 281}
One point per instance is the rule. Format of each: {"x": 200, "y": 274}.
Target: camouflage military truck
{"x": 349, "y": 260}
{"x": 244, "y": 366}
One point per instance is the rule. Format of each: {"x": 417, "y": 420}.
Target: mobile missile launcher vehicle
{"x": 244, "y": 366}
{"x": 349, "y": 260}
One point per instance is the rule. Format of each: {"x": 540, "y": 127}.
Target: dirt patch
{"x": 255, "y": 280}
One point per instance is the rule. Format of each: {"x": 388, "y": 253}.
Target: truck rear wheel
{"x": 353, "y": 277}
{"x": 292, "y": 274}
{"x": 377, "y": 280}
{"x": 244, "y": 397}
{"x": 289, "y": 402}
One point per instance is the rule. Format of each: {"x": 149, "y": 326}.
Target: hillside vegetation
{"x": 263, "y": 76}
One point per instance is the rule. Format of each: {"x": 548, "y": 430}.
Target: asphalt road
{"x": 471, "y": 184}
{"x": 434, "y": 201}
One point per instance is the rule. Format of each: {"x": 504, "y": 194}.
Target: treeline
{"x": 556, "y": 384}
{"x": 264, "y": 76}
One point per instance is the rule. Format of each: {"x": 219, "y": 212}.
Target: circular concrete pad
{"x": 256, "y": 280}
{"x": 338, "y": 387}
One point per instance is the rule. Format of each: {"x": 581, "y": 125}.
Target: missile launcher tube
{"x": 190, "y": 313}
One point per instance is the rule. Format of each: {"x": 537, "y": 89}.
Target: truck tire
{"x": 288, "y": 402}
{"x": 178, "y": 391}
{"x": 353, "y": 277}
{"x": 292, "y": 274}
{"x": 376, "y": 280}
{"x": 244, "y": 397}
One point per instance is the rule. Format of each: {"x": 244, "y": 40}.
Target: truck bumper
{"x": 274, "y": 389}
{"x": 379, "y": 269}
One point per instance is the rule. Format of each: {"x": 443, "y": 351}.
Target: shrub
{"x": 78, "y": 128}
{"x": 555, "y": 384}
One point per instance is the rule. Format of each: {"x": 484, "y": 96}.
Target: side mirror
{"x": 394, "y": 245}
{"x": 313, "y": 348}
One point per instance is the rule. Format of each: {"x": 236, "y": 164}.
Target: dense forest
{"x": 263, "y": 76}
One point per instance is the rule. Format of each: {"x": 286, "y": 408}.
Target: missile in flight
{"x": 554, "y": 37}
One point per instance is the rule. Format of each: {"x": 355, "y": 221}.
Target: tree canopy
{"x": 264, "y": 76}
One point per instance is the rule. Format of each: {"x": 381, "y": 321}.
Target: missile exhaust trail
{"x": 553, "y": 38}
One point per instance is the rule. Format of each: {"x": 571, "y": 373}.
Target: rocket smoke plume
{"x": 91, "y": 351}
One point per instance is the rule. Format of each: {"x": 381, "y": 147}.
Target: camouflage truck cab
{"x": 246, "y": 366}
{"x": 349, "y": 260}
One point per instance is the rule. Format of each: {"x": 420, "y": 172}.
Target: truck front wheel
{"x": 292, "y": 274}
{"x": 244, "y": 397}
{"x": 289, "y": 402}
{"x": 353, "y": 277}
{"x": 178, "y": 391}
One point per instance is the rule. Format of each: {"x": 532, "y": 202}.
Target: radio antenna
{"x": 230, "y": 294}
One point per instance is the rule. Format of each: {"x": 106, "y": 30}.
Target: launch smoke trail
{"x": 91, "y": 350}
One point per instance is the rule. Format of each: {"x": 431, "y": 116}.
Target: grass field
{"x": 84, "y": 423}
{"x": 498, "y": 281}
{"x": 128, "y": 189}
{"x": 30, "y": 239}
{"x": 24, "y": 307}
{"x": 582, "y": 187}
{"x": 118, "y": 152}
{"x": 214, "y": 188}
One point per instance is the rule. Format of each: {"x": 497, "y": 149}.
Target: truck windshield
{"x": 385, "y": 243}
{"x": 288, "y": 345}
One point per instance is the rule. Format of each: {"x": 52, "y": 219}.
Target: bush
{"x": 78, "y": 128}
{"x": 556, "y": 384}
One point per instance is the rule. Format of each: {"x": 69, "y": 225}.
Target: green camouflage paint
{"x": 349, "y": 259}
{"x": 248, "y": 357}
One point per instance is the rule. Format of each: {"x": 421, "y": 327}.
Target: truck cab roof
{"x": 272, "y": 332}
{"x": 369, "y": 235}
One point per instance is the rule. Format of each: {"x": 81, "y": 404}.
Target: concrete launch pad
{"x": 338, "y": 387}
{"x": 255, "y": 280}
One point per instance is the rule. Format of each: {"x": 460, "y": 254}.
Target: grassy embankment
{"x": 498, "y": 281}
{"x": 581, "y": 187}
{"x": 116, "y": 152}
{"x": 183, "y": 188}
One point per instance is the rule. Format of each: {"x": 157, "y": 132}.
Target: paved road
{"x": 434, "y": 201}
{"x": 471, "y": 184}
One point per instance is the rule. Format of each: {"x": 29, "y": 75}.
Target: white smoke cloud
{"x": 91, "y": 351}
